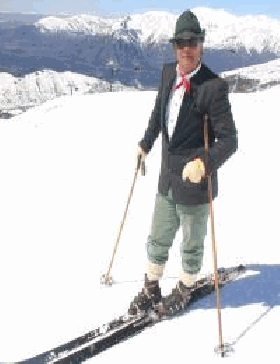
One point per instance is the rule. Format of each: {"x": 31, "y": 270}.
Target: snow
{"x": 223, "y": 29}
{"x": 266, "y": 73}
{"x": 40, "y": 86}
{"x": 89, "y": 24}
{"x": 66, "y": 170}
{"x": 137, "y": 40}
{"x": 154, "y": 25}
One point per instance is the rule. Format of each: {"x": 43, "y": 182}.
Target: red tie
{"x": 183, "y": 82}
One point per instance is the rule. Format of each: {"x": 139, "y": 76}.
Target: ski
{"x": 119, "y": 329}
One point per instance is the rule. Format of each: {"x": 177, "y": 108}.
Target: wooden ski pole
{"x": 107, "y": 278}
{"x": 222, "y": 347}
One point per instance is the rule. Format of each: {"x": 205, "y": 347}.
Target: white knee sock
{"x": 186, "y": 278}
{"x": 154, "y": 271}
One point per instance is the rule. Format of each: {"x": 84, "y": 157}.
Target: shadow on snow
{"x": 262, "y": 286}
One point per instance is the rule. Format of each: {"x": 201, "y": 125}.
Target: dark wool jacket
{"x": 209, "y": 94}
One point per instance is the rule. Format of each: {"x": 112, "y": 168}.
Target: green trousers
{"x": 167, "y": 219}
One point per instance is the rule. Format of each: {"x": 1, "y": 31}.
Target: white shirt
{"x": 175, "y": 101}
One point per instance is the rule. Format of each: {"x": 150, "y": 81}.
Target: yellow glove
{"x": 194, "y": 171}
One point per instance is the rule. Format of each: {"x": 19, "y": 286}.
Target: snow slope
{"x": 63, "y": 188}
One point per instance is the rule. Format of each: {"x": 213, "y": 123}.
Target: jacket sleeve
{"x": 154, "y": 125}
{"x": 224, "y": 140}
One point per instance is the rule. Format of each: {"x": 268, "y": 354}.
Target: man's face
{"x": 188, "y": 54}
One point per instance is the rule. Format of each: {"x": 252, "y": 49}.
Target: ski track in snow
{"x": 66, "y": 169}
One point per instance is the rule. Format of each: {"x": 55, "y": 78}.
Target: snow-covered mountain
{"x": 224, "y": 30}
{"x": 42, "y": 57}
{"x": 84, "y": 43}
{"x": 231, "y": 42}
{"x": 253, "y": 78}
{"x": 83, "y": 23}
{"x": 17, "y": 94}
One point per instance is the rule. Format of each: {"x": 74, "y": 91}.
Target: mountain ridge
{"x": 42, "y": 57}
{"x": 222, "y": 28}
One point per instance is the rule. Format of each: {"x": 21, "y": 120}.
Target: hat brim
{"x": 188, "y": 36}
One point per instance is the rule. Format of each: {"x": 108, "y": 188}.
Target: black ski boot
{"x": 147, "y": 298}
{"x": 176, "y": 301}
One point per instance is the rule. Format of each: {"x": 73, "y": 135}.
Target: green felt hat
{"x": 188, "y": 27}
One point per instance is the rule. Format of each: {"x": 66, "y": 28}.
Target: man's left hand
{"x": 194, "y": 171}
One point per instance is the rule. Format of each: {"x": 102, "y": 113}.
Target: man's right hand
{"x": 140, "y": 154}
{"x": 140, "y": 160}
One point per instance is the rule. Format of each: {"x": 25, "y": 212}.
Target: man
{"x": 188, "y": 91}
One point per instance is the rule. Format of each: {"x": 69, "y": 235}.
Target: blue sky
{"x": 106, "y": 7}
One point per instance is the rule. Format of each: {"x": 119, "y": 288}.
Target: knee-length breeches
{"x": 167, "y": 219}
